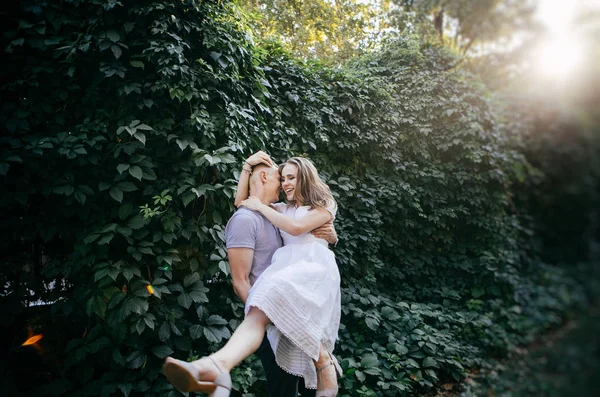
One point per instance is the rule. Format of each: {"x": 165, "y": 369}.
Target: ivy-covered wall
{"x": 124, "y": 126}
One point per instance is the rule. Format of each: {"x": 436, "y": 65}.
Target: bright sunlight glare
{"x": 560, "y": 57}
{"x": 561, "y": 52}
{"x": 557, "y": 15}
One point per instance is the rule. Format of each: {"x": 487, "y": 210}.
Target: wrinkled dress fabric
{"x": 300, "y": 293}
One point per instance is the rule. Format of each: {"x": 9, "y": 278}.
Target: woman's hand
{"x": 253, "y": 203}
{"x": 260, "y": 157}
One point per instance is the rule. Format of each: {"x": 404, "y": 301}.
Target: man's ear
{"x": 263, "y": 176}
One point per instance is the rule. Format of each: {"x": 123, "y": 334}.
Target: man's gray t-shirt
{"x": 250, "y": 229}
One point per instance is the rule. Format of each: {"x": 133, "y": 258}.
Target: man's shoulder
{"x": 244, "y": 219}
{"x": 242, "y": 229}
{"x": 244, "y": 213}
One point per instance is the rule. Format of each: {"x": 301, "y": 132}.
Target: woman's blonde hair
{"x": 310, "y": 189}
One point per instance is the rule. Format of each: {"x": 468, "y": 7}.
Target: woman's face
{"x": 289, "y": 178}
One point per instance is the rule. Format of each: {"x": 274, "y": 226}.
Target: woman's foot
{"x": 204, "y": 375}
{"x": 327, "y": 385}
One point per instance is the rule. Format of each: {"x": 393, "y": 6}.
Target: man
{"x": 251, "y": 242}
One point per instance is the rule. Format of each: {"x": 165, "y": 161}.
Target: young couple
{"x": 291, "y": 292}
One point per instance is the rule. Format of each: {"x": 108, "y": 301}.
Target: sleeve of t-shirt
{"x": 279, "y": 206}
{"x": 241, "y": 230}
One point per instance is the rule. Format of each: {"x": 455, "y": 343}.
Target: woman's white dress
{"x": 300, "y": 293}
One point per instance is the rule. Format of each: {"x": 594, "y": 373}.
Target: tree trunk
{"x": 438, "y": 21}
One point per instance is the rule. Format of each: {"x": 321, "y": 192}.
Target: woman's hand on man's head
{"x": 258, "y": 158}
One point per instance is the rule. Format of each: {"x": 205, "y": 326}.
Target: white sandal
{"x": 184, "y": 376}
{"x": 329, "y": 392}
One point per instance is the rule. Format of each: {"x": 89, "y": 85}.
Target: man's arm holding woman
{"x": 240, "y": 261}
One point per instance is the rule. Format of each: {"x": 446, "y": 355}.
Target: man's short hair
{"x": 254, "y": 176}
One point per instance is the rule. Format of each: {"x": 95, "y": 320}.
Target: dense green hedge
{"x": 124, "y": 128}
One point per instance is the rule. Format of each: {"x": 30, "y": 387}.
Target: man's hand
{"x": 326, "y": 232}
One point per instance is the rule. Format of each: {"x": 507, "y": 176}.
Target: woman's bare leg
{"x": 245, "y": 340}
{"x": 200, "y": 375}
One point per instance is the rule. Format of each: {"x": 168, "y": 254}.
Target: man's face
{"x": 272, "y": 185}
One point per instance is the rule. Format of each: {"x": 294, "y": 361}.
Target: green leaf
{"x": 117, "y": 356}
{"x": 369, "y": 360}
{"x": 116, "y": 194}
{"x": 105, "y": 239}
{"x": 360, "y": 376}
{"x": 127, "y": 186}
{"x": 116, "y": 50}
{"x": 125, "y": 388}
{"x": 122, "y": 168}
{"x": 416, "y": 375}
{"x": 216, "y": 320}
{"x": 212, "y": 334}
{"x": 125, "y": 210}
{"x": 91, "y": 238}
{"x": 400, "y": 349}
{"x": 227, "y": 158}
{"x": 136, "y": 172}
{"x": 187, "y": 198}
{"x": 129, "y": 272}
{"x": 79, "y": 196}
{"x": 144, "y": 127}
{"x": 113, "y": 36}
{"x": 198, "y": 296}
{"x": 431, "y": 373}
{"x": 164, "y": 332}
{"x": 162, "y": 351}
{"x": 185, "y": 300}
{"x": 140, "y": 326}
{"x": 372, "y": 371}
{"x": 224, "y": 267}
{"x": 86, "y": 190}
{"x": 137, "y": 64}
{"x": 201, "y": 312}
{"x": 136, "y": 360}
{"x": 140, "y": 136}
{"x": 201, "y": 190}
{"x": 372, "y": 322}
{"x": 196, "y": 331}
{"x": 389, "y": 313}
{"x": 69, "y": 189}
{"x": 190, "y": 279}
{"x": 100, "y": 274}
{"x": 137, "y": 222}
{"x": 429, "y": 362}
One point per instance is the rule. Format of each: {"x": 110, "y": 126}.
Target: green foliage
{"x": 124, "y": 128}
{"x": 462, "y": 23}
{"x": 565, "y": 363}
{"x": 319, "y": 29}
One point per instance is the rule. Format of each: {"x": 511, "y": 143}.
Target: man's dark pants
{"x": 279, "y": 382}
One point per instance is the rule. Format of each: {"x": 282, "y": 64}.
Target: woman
{"x": 299, "y": 293}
